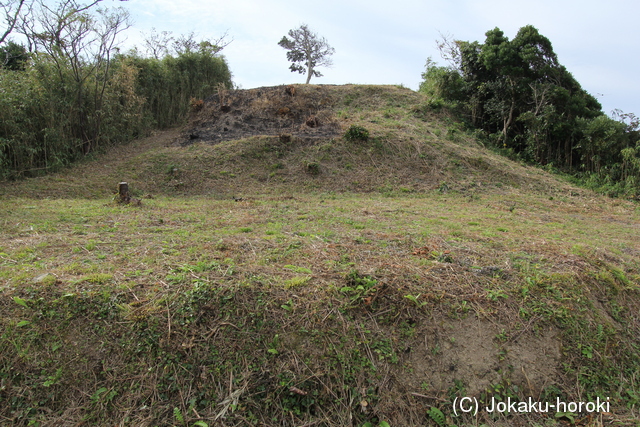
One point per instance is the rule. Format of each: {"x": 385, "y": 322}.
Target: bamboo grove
{"x": 521, "y": 100}
{"x": 69, "y": 92}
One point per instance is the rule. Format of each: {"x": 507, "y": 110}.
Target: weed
{"x": 358, "y": 286}
{"x": 104, "y": 396}
{"x": 52, "y": 379}
{"x": 99, "y": 278}
{"x": 356, "y": 133}
{"x": 177, "y": 414}
{"x": 384, "y": 349}
{"x": 414, "y": 299}
{"x": 296, "y": 282}
{"x": 312, "y": 168}
{"x": 379, "y": 424}
{"x": 438, "y": 416}
{"x": 298, "y": 269}
{"x": 21, "y": 302}
{"x": 495, "y": 294}
{"x": 288, "y": 306}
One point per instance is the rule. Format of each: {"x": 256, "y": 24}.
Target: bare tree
{"x": 70, "y": 34}
{"x": 157, "y": 44}
{"x": 79, "y": 44}
{"x": 307, "y": 51}
{"x": 449, "y": 49}
{"x": 11, "y": 11}
{"x": 187, "y": 43}
{"x": 215, "y": 46}
{"x": 26, "y": 19}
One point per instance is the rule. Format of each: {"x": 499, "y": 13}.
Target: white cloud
{"x": 388, "y": 42}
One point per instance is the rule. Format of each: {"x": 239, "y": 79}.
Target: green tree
{"x": 602, "y": 142}
{"x": 13, "y": 56}
{"x": 517, "y": 92}
{"x": 526, "y": 101}
{"x": 442, "y": 83}
{"x": 306, "y": 51}
{"x": 167, "y": 85}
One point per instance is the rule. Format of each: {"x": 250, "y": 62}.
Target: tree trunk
{"x": 309, "y": 72}
{"x": 507, "y": 122}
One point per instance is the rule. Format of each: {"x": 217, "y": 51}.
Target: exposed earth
{"x": 278, "y": 272}
{"x": 277, "y": 110}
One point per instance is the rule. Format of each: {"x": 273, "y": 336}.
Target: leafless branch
{"x": 11, "y": 14}
{"x": 449, "y": 50}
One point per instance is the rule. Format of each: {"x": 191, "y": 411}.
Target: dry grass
{"x": 171, "y": 264}
{"x": 411, "y": 150}
{"x": 427, "y": 269}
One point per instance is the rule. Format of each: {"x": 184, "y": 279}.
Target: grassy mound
{"x": 409, "y": 149}
{"x": 358, "y": 281}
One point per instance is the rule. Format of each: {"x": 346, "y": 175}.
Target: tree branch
{"x": 11, "y": 21}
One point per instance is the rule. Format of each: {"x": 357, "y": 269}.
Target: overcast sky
{"x": 388, "y": 42}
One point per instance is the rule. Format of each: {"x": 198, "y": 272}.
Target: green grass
{"x": 147, "y": 297}
{"x": 309, "y": 303}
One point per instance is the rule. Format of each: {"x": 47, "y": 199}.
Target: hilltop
{"x": 279, "y": 272}
{"x": 262, "y": 144}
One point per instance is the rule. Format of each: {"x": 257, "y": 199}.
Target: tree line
{"x": 68, "y": 91}
{"x": 525, "y": 103}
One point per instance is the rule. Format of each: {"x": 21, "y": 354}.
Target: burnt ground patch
{"x": 294, "y": 111}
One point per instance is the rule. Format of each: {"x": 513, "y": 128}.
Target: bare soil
{"x": 468, "y": 349}
{"x": 286, "y": 111}
{"x": 472, "y": 237}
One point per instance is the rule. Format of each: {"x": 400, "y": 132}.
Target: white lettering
{"x": 493, "y": 406}
{"x": 531, "y": 406}
{"x": 462, "y": 401}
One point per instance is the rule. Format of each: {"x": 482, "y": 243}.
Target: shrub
{"x": 356, "y": 133}
{"x": 313, "y": 168}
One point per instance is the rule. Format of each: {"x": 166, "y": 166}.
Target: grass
{"x": 306, "y": 303}
{"x": 164, "y": 278}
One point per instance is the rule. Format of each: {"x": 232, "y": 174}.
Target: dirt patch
{"x": 470, "y": 351}
{"x": 304, "y": 112}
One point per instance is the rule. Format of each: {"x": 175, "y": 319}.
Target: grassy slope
{"x": 413, "y": 268}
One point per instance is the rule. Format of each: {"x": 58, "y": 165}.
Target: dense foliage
{"x": 72, "y": 94}
{"x": 529, "y": 105}
{"x": 168, "y": 84}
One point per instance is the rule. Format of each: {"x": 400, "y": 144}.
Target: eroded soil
{"x": 285, "y": 111}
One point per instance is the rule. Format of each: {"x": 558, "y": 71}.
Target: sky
{"x": 388, "y": 42}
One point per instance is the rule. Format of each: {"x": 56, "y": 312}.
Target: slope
{"x": 357, "y": 282}
{"x": 264, "y": 145}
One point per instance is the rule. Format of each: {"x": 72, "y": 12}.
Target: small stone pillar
{"x": 123, "y": 193}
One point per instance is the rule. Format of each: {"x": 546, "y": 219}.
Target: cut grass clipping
{"x": 415, "y": 269}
